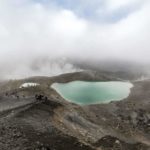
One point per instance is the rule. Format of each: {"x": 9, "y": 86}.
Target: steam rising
{"x": 36, "y": 38}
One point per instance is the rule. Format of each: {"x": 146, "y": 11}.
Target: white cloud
{"x": 30, "y": 30}
{"x": 67, "y": 24}
{"x": 115, "y": 4}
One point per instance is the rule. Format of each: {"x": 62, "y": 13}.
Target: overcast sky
{"x": 79, "y": 29}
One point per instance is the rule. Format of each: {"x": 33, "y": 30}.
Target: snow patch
{"x": 25, "y": 85}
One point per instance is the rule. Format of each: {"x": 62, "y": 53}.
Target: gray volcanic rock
{"x": 51, "y": 123}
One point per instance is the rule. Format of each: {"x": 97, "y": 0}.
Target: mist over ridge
{"x": 49, "y": 38}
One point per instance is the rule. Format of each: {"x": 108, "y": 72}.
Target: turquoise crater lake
{"x": 85, "y": 93}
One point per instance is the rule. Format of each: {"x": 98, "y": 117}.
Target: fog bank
{"x": 36, "y": 36}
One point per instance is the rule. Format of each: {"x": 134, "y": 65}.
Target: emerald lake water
{"x": 84, "y": 93}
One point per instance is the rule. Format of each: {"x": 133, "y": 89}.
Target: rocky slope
{"x": 51, "y": 123}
